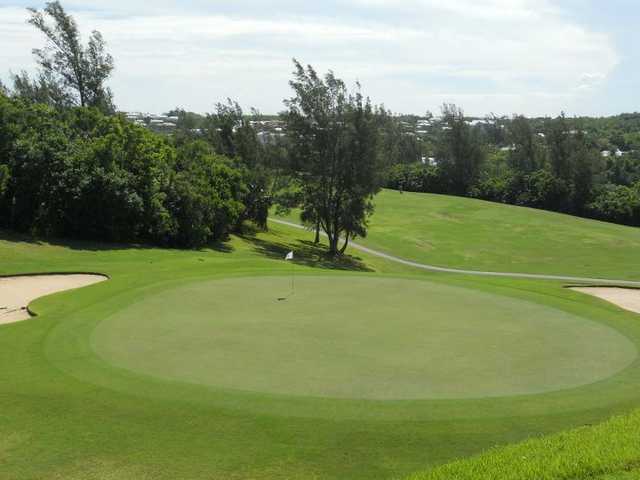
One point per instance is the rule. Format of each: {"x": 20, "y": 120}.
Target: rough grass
{"x": 609, "y": 451}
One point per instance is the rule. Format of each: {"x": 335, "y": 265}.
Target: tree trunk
{"x": 346, "y": 243}
{"x": 317, "y": 239}
{"x": 333, "y": 243}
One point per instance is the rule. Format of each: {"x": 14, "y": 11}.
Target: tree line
{"x": 555, "y": 164}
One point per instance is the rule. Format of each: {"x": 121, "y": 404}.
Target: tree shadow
{"x": 221, "y": 246}
{"x": 306, "y": 253}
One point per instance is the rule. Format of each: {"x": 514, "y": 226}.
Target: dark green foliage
{"x": 526, "y": 154}
{"x": 459, "y": 152}
{"x": 542, "y": 189}
{"x": 415, "y": 177}
{"x": 204, "y": 196}
{"x": 496, "y": 188}
{"x": 622, "y": 171}
{"x": 78, "y": 173}
{"x": 617, "y": 203}
{"x": 42, "y": 89}
{"x": 231, "y": 134}
{"x": 396, "y": 146}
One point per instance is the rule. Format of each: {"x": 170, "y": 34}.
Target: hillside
{"x": 474, "y": 234}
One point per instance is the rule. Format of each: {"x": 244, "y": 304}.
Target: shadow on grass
{"x": 305, "y": 253}
{"x": 100, "y": 246}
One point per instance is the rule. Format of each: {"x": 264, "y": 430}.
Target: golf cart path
{"x": 434, "y": 268}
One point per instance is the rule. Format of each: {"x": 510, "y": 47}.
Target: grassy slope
{"x": 65, "y": 415}
{"x": 474, "y": 234}
{"x": 609, "y": 451}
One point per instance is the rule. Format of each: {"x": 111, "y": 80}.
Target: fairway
{"x": 358, "y": 338}
{"x": 465, "y": 233}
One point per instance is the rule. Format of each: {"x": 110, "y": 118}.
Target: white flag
{"x": 289, "y": 256}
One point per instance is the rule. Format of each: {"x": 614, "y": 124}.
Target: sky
{"x": 531, "y": 57}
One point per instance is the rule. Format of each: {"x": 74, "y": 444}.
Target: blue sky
{"x": 536, "y": 57}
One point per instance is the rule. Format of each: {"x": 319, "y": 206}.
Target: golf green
{"x": 358, "y": 337}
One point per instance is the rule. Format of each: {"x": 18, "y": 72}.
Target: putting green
{"x": 361, "y": 337}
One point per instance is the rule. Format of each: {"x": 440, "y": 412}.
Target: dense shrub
{"x": 79, "y": 173}
{"x": 617, "y": 203}
{"x": 414, "y": 177}
{"x": 542, "y": 189}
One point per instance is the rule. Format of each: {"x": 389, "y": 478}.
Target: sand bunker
{"x": 17, "y": 292}
{"x": 627, "y": 298}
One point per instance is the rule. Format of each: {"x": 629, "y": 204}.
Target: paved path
{"x": 433, "y": 268}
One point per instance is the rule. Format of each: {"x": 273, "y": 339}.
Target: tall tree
{"x": 7, "y": 138}
{"x": 79, "y": 71}
{"x": 584, "y": 161}
{"x": 494, "y": 129}
{"x": 395, "y": 145}
{"x": 526, "y": 156}
{"x": 333, "y": 136}
{"x": 559, "y": 147}
{"x": 42, "y": 89}
{"x": 459, "y": 152}
{"x": 232, "y": 134}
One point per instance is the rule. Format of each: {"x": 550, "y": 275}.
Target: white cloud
{"x": 493, "y": 55}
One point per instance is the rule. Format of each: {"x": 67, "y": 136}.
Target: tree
{"x": 494, "y": 129}
{"x": 395, "y": 145}
{"x": 42, "y": 89}
{"x": 332, "y": 134}
{"x": 205, "y": 196}
{"x": 232, "y": 134}
{"x": 525, "y": 157}
{"x": 4, "y": 178}
{"x": 80, "y": 72}
{"x": 542, "y": 189}
{"x": 558, "y": 147}
{"x": 617, "y": 203}
{"x": 459, "y": 153}
{"x": 584, "y": 161}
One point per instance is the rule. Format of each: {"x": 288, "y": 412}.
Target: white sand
{"x": 627, "y": 298}
{"x": 17, "y": 292}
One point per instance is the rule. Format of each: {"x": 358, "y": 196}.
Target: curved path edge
{"x": 434, "y": 268}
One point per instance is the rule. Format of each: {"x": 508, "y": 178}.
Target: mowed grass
{"x": 67, "y": 412}
{"x": 473, "y": 234}
{"x": 358, "y": 337}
